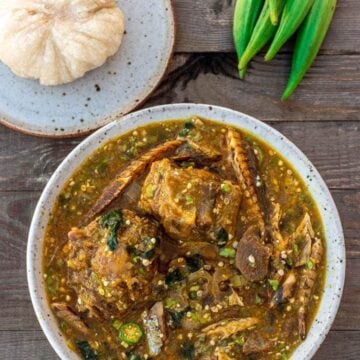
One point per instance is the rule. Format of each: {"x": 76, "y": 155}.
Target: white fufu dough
{"x": 58, "y": 41}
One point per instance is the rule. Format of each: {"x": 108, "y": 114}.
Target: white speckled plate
{"x": 335, "y": 255}
{"x": 108, "y": 92}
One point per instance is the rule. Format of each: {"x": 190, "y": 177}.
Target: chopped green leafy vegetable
{"x": 187, "y": 351}
{"x": 112, "y": 221}
{"x": 310, "y": 264}
{"x": 194, "y": 262}
{"x": 86, "y": 351}
{"x": 188, "y": 126}
{"x": 177, "y": 316}
{"x": 222, "y": 236}
{"x": 174, "y": 277}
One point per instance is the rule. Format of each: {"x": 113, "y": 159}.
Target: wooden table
{"x": 323, "y": 119}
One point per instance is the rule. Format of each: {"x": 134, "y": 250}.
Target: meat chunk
{"x": 64, "y": 312}
{"x": 106, "y": 280}
{"x": 252, "y": 256}
{"x": 189, "y": 202}
{"x": 128, "y": 175}
{"x": 255, "y": 343}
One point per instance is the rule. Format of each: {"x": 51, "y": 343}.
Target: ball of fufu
{"x": 58, "y": 41}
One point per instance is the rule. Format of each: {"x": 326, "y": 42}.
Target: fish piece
{"x": 155, "y": 328}
{"x": 302, "y": 241}
{"x": 285, "y": 291}
{"x": 227, "y": 328}
{"x": 128, "y": 175}
{"x": 280, "y": 242}
{"x": 240, "y": 163}
{"x": 307, "y": 283}
{"x": 200, "y": 154}
{"x": 255, "y": 343}
{"x": 252, "y": 256}
{"x": 64, "y": 312}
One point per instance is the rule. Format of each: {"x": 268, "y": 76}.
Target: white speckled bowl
{"x": 334, "y": 234}
{"x": 104, "y": 94}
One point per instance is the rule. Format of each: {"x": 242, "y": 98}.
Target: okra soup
{"x": 185, "y": 240}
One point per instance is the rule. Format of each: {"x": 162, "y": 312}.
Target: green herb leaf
{"x": 310, "y": 264}
{"x": 227, "y": 252}
{"x": 112, "y": 221}
{"x": 86, "y": 351}
{"x": 174, "y": 277}
{"x": 222, "y": 237}
{"x": 187, "y": 351}
{"x": 194, "y": 262}
{"x": 177, "y": 316}
{"x": 274, "y": 284}
{"x": 188, "y": 126}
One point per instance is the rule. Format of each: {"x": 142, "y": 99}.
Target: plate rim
{"x": 8, "y": 124}
{"x": 104, "y": 134}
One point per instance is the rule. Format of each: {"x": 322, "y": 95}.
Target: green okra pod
{"x": 245, "y": 16}
{"x": 311, "y": 36}
{"x": 292, "y": 17}
{"x": 263, "y": 32}
{"x": 274, "y": 11}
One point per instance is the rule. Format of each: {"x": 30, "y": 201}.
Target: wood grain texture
{"x": 26, "y": 163}
{"x": 330, "y": 90}
{"x": 206, "y": 25}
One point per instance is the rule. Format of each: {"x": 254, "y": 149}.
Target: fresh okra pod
{"x": 292, "y": 17}
{"x": 309, "y": 40}
{"x": 245, "y": 16}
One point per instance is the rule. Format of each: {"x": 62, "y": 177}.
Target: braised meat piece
{"x": 255, "y": 343}
{"x": 191, "y": 203}
{"x": 252, "y": 256}
{"x": 128, "y": 175}
{"x": 105, "y": 258}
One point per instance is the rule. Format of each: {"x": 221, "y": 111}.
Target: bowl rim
{"x": 152, "y": 115}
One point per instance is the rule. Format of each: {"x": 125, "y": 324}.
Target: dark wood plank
{"x": 330, "y": 91}
{"x": 32, "y": 345}
{"x": 205, "y": 25}
{"x": 26, "y": 163}
{"x": 16, "y": 209}
{"x": 29, "y": 345}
